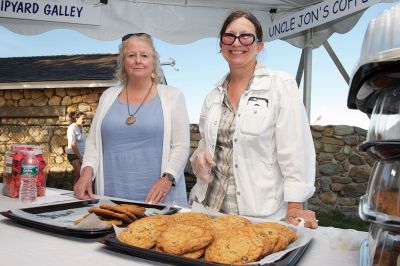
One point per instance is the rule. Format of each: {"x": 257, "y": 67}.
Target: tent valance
{"x": 173, "y": 21}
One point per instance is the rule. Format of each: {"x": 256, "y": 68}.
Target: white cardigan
{"x": 176, "y": 141}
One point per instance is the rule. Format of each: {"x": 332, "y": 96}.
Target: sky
{"x": 201, "y": 65}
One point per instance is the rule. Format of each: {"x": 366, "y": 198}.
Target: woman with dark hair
{"x": 138, "y": 143}
{"x": 256, "y": 155}
{"x": 76, "y": 141}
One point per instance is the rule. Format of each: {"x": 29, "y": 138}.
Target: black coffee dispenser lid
{"x": 369, "y": 80}
{"x": 379, "y": 65}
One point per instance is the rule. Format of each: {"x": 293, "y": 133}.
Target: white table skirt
{"x": 21, "y": 245}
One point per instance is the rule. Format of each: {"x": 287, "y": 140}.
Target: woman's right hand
{"x": 83, "y": 187}
{"x": 202, "y": 162}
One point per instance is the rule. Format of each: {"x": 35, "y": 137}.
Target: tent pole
{"x": 337, "y": 62}
{"x": 307, "y": 73}
{"x": 300, "y": 69}
{"x": 307, "y": 51}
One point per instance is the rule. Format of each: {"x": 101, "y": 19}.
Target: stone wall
{"x": 342, "y": 171}
{"x": 40, "y": 117}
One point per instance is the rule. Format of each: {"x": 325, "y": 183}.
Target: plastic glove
{"x": 202, "y": 162}
{"x": 295, "y": 216}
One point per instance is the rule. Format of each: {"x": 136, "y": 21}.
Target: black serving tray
{"x": 76, "y": 232}
{"x": 111, "y": 241}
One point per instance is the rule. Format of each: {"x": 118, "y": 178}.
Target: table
{"x": 21, "y": 245}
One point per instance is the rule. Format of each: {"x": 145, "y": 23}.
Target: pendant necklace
{"x": 131, "y": 117}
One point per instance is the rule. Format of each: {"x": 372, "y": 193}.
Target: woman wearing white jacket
{"x": 138, "y": 143}
{"x": 256, "y": 156}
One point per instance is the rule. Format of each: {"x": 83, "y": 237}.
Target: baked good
{"x": 192, "y": 218}
{"x": 194, "y": 254}
{"x": 271, "y": 238}
{"x": 229, "y": 222}
{"x": 191, "y": 255}
{"x": 235, "y": 247}
{"x": 229, "y": 239}
{"x": 119, "y": 209}
{"x": 387, "y": 201}
{"x": 384, "y": 256}
{"x": 111, "y": 222}
{"x": 144, "y": 232}
{"x": 284, "y": 234}
{"x": 178, "y": 239}
{"x": 138, "y": 211}
{"x": 285, "y": 230}
{"x": 110, "y": 214}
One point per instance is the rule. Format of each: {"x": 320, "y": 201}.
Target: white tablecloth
{"x": 21, "y": 245}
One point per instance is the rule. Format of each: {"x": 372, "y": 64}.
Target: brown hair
{"x": 120, "y": 73}
{"x": 74, "y": 115}
{"x": 239, "y": 13}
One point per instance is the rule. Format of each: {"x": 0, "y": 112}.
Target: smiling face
{"x": 80, "y": 119}
{"x": 138, "y": 58}
{"x": 237, "y": 54}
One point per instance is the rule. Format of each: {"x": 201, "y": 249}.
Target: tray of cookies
{"x": 87, "y": 218}
{"x": 197, "y": 239}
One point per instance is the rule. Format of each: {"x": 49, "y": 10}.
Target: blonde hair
{"x": 121, "y": 74}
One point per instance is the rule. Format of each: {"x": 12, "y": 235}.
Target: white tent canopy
{"x": 185, "y": 21}
{"x": 174, "y": 21}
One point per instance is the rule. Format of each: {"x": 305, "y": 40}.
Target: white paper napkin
{"x": 345, "y": 239}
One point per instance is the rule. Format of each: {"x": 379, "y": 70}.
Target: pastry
{"x": 178, "y": 239}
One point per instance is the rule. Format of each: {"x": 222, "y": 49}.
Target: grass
{"x": 338, "y": 220}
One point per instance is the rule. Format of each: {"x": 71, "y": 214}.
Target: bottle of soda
{"x": 29, "y": 173}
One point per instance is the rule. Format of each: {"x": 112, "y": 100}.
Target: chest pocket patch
{"x": 256, "y": 114}
{"x": 257, "y": 101}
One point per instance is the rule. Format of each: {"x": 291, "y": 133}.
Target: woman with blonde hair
{"x": 138, "y": 143}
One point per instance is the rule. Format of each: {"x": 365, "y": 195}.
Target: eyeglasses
{"x": 245, "y": 39}
{"x": 127, "y": 36}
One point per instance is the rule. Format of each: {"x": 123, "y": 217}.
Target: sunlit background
{"x": 201, "y": 65}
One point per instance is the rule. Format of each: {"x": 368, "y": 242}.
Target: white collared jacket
{"x": 273, "y": 150}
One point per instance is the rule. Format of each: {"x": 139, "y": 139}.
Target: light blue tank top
{"x": 132, "y": 153}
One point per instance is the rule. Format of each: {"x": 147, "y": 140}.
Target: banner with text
{"x": 315, "y": 15}
{"x": 60, "y": 11}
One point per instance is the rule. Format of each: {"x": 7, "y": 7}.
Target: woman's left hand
{"x": 159, "y": 191}
{"x": 295, "y": 212}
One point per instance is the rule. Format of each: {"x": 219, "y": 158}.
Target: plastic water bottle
{"x": 29, "y": 173}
